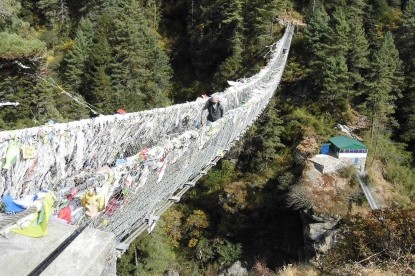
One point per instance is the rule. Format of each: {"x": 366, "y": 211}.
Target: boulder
{"x": 171, "y": 272}
{"x": 319, "y": 232}
{"x": 235, "y": 270}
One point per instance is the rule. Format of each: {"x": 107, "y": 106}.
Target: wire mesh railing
{"x": 134, "y": 161}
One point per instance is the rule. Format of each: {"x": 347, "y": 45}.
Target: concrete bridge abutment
{"x": 92, "y": 253}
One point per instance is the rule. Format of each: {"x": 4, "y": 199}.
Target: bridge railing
{"x": 134, "y": 160}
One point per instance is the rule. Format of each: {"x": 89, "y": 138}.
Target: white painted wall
{"x": 352, "y": 155}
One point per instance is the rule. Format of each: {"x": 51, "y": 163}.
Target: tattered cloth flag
{"x": 13, "y": 151}
{"x": 39, "y": 226}
{"x": 28, "y": 152}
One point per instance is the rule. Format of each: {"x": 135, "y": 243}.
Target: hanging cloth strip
{"x": 39, "y": 227}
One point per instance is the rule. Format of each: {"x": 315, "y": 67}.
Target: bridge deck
{"x": 91, "y": 253}
{"x": 128, "y": 167}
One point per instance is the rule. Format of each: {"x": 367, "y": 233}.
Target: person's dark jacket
{"x": 215, "y": 111}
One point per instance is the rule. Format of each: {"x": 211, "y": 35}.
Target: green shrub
{"x": 322, "y": 125}
{"x": 13, "y": 46}
{"x": 217, "y": 250}
{"x": 148, "y": 255}
{"x": 228, "y": 252}
{"x": 349, "y": 173}
{"x": 397, "y": 163}
{"x": 218, "y": 178}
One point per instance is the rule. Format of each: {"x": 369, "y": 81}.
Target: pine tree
{"x": 263, "y": 140}
{"x": 339, "y": 43}
{"x": 355, "y": 8}
{"x": 259, "y": 17}
{"x": 36, "y": 99}
{"x": 99, "y": 91}
{"x": 358, "y": 61}
{"x": 357, "y": 57}
{"x": 213, "y": 35}
{"x": 270, "y": 133}
{"x": 316, "y": 40}
{"x": 233, "y": 63}
{"x": 371, "y": 23}
{"x": 54, "y": 11}
{"x": 383, "y": 87}
{"x": 140, "y": 71}
{"x": 317, "y": 32}
{"x": 102, "y": 94}
{"x": 45, "y": 107}
{"x": 76, "y": 59}
{"x": 407, "y": 35}
{"x": 335, "y": 83}
{"x": 12, "y": 89}
{"x": 407, "y": 46}
{"x": 329, "y": 47}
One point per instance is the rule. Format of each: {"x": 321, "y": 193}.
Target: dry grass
{"x": 298, "y": 270}
{"x": 261, "y": 269}
{"x": 324, "y": 193}
{"x": 384, "y": 192}
{"x": 362, "y": 209}
{"x": 293, "y": 17}
{"x": 374, "y": 270}
{"x": 299, "y": 198}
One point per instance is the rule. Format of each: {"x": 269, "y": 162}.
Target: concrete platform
{"x": 91, "y": 253}
{"x": 326, "y": 163}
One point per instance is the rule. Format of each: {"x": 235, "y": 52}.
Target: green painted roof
{"x": 344, "y": 142}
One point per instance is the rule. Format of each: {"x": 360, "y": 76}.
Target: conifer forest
{"x": 351, "y": 62}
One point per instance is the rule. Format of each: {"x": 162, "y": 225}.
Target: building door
{"x": 356, "y": 161}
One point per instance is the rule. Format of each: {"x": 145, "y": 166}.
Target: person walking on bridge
{"x": 215, "y": 109}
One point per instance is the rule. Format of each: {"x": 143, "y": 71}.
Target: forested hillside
{"x": 104, "y": 53}
{"x": 353, "y": 61}
{"x": 115, "y": 54}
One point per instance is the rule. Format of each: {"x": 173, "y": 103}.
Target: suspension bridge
{"x": 119, "y": 173}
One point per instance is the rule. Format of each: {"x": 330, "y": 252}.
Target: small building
{"x": 348, "y": 150}
{"x": 325, "y": 148}
{"x": 347, "y": 147}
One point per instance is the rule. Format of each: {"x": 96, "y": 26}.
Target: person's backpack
{"x": 214, "y": 113}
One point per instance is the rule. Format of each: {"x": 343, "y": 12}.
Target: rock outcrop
{"x": 319, "y": 233}
{"x": 235, "y": 270}
{"x": 171, "y": 272}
